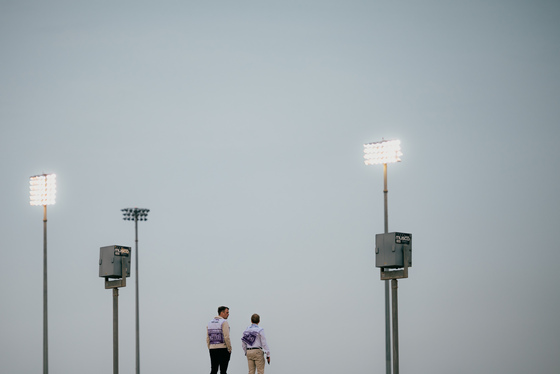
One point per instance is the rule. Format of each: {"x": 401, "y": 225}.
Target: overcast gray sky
{"x": 240, "y": 125}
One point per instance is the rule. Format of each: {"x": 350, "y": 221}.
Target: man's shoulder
{"x": 215, "y": 320}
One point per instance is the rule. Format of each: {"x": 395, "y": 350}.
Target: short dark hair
{"x": 255, "y": 318}
{"x": 221, "y": 309}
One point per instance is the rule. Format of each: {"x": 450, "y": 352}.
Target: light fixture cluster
{"x": 42, "y": 189}
{"x": 383, "y": 152}
{"x": 129, "y": 214}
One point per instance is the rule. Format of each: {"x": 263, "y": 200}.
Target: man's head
{"x": 223, "y": 312}
{"x": 255, "y": 318}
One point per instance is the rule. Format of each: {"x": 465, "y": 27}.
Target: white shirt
{"x": 253, "y": 337}
{"x": 217, "y": 334}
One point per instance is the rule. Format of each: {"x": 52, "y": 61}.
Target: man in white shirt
{"x": 254, "y": 346}
{"x": 217, "y": 339}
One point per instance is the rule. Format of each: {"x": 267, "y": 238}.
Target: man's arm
{"x": 244, "y": 346}
{"x": 265, "y": 346}
{"x": 225, "y": 331}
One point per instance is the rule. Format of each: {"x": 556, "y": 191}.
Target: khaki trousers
{"x": 255, "y": 359}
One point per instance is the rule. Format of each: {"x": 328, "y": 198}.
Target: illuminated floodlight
{"x": 383, "y": 152}
{"x": 42, "y": 189}
{"x": 129, "y": 214}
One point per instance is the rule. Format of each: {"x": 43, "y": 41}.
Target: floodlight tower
{"x": 136, "y": 214}
{"x": 384, "y": 152}
{"x": 42, "y": 191}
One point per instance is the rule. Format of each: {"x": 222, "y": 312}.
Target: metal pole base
{"x": 394, "y": 287}
{"x": 115, "y": 331}
{"x": 45, "y": 297}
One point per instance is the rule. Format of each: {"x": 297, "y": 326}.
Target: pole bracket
{"x": 387, "y": 274}
{"x": 119, "y": 282}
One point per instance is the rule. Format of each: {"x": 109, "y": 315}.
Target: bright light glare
{"x": 383, "y": 152}
{"x": 42, "y": 189}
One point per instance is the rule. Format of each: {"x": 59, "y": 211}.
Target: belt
{"x": 254, "y": 348}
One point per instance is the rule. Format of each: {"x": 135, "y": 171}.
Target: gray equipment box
{"x": 110, "y": 261}
{"x": 390, "y": 249}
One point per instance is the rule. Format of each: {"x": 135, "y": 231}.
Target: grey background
{"x": 240, "y": 125}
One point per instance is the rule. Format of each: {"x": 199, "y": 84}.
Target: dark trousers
{"x": 219, "y": 357}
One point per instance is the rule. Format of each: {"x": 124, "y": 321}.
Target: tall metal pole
{"x": 116, "y": 329}
{"x": 136, "y": 214}
{"x": 42, "y": 191}
{"x": 394, "y": 286}
{"x": 384, "y": 152}
{"x": 387, "y": 301}
{"x": 137, "y": 310}
{"x": 45, "y": 316}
